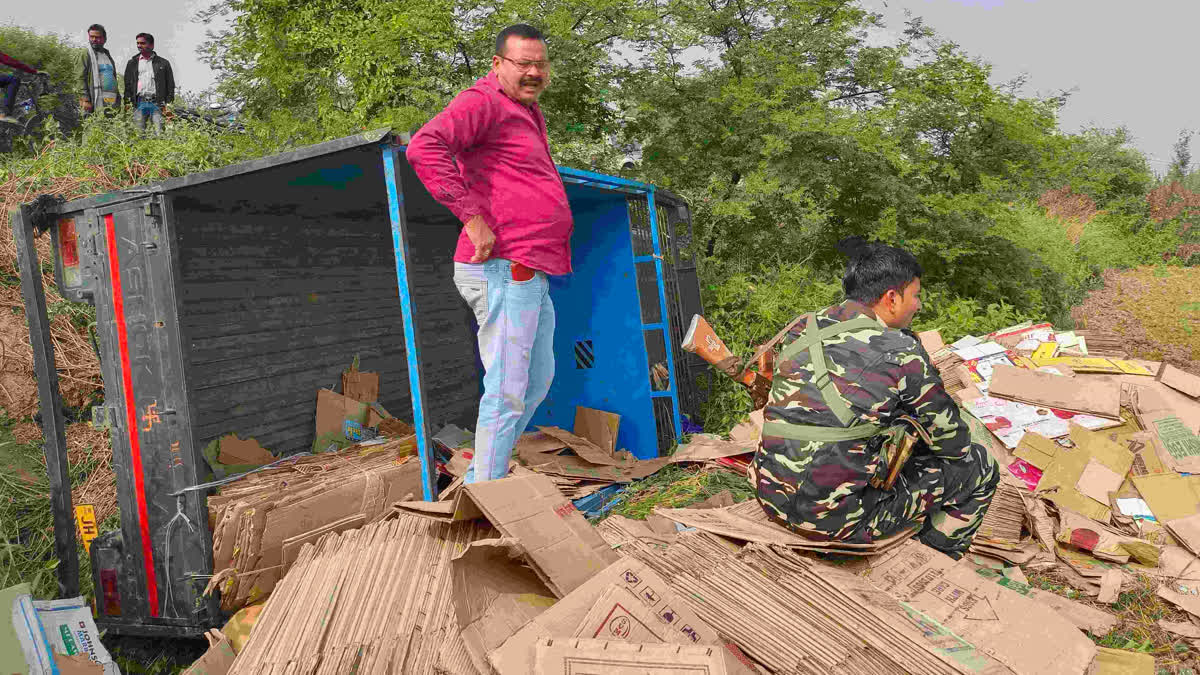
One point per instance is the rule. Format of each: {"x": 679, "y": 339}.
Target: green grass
{"x": 677, "y": 486}
{"x": 26, "y": 523}
{"x": 1138, "y": 611}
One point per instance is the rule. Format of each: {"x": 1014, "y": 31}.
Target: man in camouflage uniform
{"x": 834, "y": 393}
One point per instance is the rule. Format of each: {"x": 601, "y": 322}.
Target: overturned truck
{"x": 226, "y": 299}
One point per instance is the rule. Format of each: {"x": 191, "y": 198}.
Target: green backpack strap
{"x": 813, "y": 340}
{"x": 808, "y": 432}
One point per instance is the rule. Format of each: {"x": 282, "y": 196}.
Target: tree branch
{"x": 862, "y": 93}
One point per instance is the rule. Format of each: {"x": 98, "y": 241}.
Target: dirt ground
{"x": 1156, "y": 309}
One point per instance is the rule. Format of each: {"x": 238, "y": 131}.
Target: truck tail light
{"x": 110, "y": 596}
{"x": 68, "y": 244}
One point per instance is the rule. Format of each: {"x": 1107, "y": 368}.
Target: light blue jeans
{"x": 516, "y": 344}
{"x": 147, "y": 110}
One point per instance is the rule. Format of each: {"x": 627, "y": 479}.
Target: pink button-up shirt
{"x": 504, "y": 173}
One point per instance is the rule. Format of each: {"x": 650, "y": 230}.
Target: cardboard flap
{"x": 494, "y": 595}
{"x": 76, "y": 664}
{"x": 598, "y": 426}
{"x": 704, "y": 447}
{"x": 360, "y": 386}
{"x": 218, "y": 660}
{"x": 747, "y": 522}
{"x": 458, "y": 509}
{"x": 1061, "y": 481}
{"x": 931, "y": 340}
{"x": 559, "y": 542}
{"x": 536, "y": 447}
{"x": 1122, "y": 662}
{"x": 749, "y": 432}
{"x": 1179, "y": 380}
{"x": 582, "y": 447}
{"x": 235, "y": 450}
{"x": 1168, "y": 495}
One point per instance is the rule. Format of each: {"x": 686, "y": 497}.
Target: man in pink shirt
{"x": 487, "y": 158}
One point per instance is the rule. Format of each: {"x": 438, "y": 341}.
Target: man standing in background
{"x": 149, "y": 84}
{"x": 97, "y": 74}
{"x": 487, "y": 158}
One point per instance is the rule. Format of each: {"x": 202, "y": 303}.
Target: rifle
{"x": 703, "y": 341}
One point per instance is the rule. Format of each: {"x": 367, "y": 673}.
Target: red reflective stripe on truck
{"x": 135, "y": 448}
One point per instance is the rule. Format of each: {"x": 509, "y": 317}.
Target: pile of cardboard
{"x": 914, "y": 611}
{"x": 261, "y": 520}
{"x": 507, "y": 577}
{"x": 1096, "y": 454}
{"x": 586, "y": 460}
{"x": 369, "y": 600}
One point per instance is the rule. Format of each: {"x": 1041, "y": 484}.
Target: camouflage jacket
{"x": 880, "y": 373}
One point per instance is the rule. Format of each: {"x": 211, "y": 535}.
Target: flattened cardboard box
{"x": 561, "y": 545}
{"x": 1017, "y": 631}
{"x": 1077, "y": 395}
{"x": 747, "y": 522}
{"x": 1179, "y": 380}
{"x": 503, "y": 612}
{"x": 1061, "y": 482}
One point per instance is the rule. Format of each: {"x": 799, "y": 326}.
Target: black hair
{"x": 873, "y": 269}
{"x": 98, "y": 27}
{"x": 521, "y": 30}
{"x": 149, "y": 37}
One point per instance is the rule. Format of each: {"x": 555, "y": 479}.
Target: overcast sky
{"x": 1131, "y": 62}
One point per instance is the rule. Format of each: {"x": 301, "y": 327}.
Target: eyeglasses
{"x": 526, "y": 66}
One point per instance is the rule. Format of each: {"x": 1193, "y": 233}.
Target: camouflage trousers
{"x": 952, "y": 496}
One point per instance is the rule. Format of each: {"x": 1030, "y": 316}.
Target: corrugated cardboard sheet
{"x": 372, "y": 600}
{"x": 254, "y": 517}
{"x": 794, "y": 614}
{"x": 748, "y": 522}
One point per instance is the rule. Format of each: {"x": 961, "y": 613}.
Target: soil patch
{"x": 1155, "y": 309}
